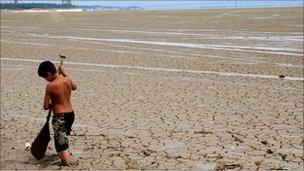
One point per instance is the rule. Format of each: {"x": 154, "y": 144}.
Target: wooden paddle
{"x": 39, "y": 146}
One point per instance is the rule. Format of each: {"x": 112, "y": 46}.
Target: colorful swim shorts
{"x": 62, "y": 124}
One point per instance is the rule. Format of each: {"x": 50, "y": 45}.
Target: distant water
{"x": 227, "y": 4}
{"x": 203, "y": 4}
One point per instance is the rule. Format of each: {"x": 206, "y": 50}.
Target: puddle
{"x": 27, "y": 43}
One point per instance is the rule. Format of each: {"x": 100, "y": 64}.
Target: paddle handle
{"x": 49, "y": 115}
{"x": 62, "y": 57}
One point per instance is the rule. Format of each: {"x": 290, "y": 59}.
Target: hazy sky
{"x": 175, "y": 4}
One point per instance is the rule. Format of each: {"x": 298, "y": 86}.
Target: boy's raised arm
{"x": 63, "y": 73}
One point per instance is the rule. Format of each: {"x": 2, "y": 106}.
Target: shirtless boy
{"x": 57, "y": 97}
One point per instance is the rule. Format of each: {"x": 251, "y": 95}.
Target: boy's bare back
{"x": 59, "y": 92}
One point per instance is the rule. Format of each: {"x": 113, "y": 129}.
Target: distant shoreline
{"x": 117, "y": 9}
{"x": 46, "y": 10}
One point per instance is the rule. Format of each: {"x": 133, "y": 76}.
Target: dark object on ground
{"x": 269, "y": 151}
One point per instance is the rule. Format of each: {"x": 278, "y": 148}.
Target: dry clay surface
{"x": 201, "y": 89}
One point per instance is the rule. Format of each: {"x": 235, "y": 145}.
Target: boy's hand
{"x": 61, "y": 70}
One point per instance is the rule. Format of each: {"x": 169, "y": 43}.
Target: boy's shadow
{"x": 48, "y": 160}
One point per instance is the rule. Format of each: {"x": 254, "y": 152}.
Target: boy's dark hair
{"x": 45, "y": 67}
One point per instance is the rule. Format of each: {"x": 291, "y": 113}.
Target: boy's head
{"x": 46, "y": 68}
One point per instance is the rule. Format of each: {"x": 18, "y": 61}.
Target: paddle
{"x": 39, "y": 146}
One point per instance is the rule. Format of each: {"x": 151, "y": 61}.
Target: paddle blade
{"x": 39, "y": 146}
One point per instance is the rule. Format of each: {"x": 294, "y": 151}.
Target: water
{"x": 172, "y": 5}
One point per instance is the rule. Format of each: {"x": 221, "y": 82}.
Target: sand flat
{"x": 197, "y": 89}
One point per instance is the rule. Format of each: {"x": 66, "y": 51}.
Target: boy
{"x": 57, "y": 97}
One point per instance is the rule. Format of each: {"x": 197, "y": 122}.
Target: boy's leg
{"x": 65, "y": 157}
{"x": 61, "y": 139}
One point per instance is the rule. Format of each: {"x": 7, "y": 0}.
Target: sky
{"x": 163, "y": 4}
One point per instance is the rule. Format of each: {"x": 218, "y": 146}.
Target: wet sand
{"x": 201, "y": 89}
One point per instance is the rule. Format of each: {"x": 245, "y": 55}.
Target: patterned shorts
{"x": 62, "y": 125}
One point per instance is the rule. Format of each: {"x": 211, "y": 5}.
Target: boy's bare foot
{"x": 65, "y": 158}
